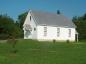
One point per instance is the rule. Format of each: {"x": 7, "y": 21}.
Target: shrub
{"x": 67, "y": 41}
{"x": 54, "y": 41}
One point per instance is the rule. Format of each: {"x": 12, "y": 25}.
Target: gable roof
{"x": 51, "y": 19}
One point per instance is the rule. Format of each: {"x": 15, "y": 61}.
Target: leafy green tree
{"x": 8, "y": 27}
{"x": 80, "y": 22}
{"x": 21, "y": 19}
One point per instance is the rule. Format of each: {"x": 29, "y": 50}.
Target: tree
{"x": 21, "y": 19}
{"x": 80, "y": 22}
{"x": 8, "y": 27}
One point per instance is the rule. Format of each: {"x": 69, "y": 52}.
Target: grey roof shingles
{"x": 52, "y": 19}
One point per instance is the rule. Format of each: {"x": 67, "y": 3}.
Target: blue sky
{"x": 69, "y": 8}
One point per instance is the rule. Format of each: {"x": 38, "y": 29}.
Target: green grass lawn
{"x": 34, "y": 52}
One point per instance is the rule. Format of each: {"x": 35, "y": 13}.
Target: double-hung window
{"x": 58, "y": 32}
{"x": 45, "y": 31}
{"x": 69, "y": 32}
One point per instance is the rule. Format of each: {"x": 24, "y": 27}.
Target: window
{"x": 45, "y": 31}
{"x": 69, "y": 32}
{"x": 58, "y": 32}
{"x": 30, "y": 18}
{"x": 34, "y": 29}
{"x": 28, "y": 27}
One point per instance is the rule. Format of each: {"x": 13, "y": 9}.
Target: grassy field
{"x": 34, "y": 52}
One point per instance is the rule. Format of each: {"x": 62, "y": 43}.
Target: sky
{"x": 69, "y": 8}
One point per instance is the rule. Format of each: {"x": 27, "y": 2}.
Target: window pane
{"x": 30, "y": 18}
{"x": 58, "y": 32}
{"x": 45, "y": 31}
{"x": 69, "y": 32}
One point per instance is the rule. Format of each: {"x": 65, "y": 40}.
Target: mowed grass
{"x": 34, "y": 52}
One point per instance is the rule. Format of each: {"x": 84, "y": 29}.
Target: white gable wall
{"x": 30, "y": 34}
{"x": 52, "y": 33}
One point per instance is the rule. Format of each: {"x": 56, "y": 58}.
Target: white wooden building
{"x": 48, "y": 26}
